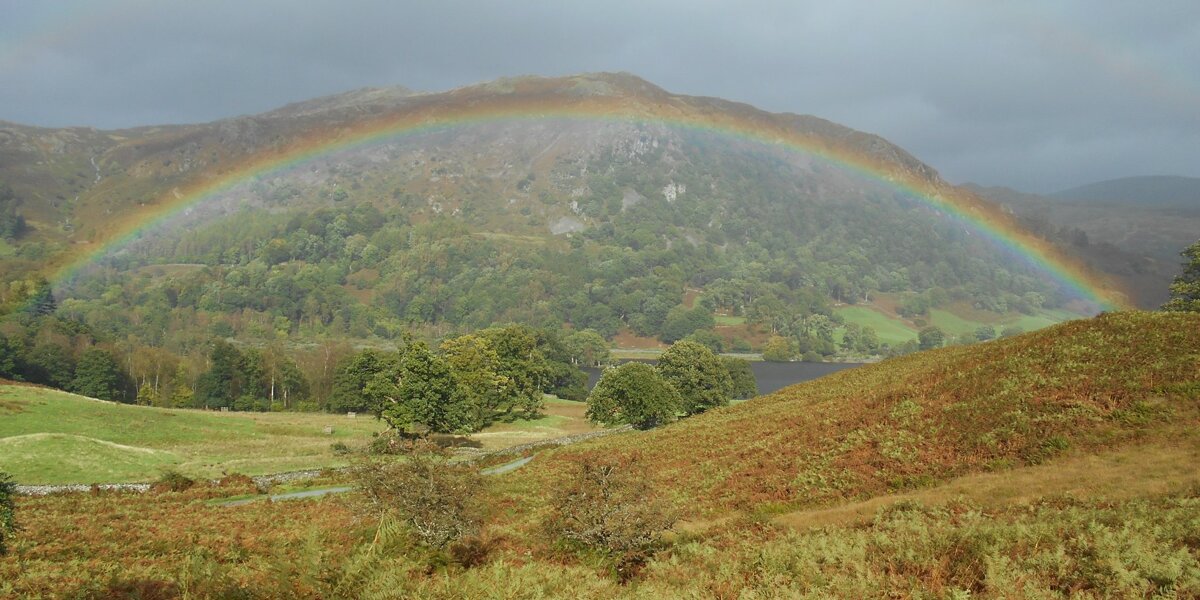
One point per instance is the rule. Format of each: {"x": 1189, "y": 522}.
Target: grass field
{"x": 47, "y": 437}
{"x": 51, "y": 437}
{"x": 561, "y": 418}
{"x": 893, "y": 330}
{"x": 889, "y": 329}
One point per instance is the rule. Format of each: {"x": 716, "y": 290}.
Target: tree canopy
{"x": 633, "y": 393}
{"x": 697, "y": 374}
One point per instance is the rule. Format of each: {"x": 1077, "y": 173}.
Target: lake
{"x": 771, "y": 376}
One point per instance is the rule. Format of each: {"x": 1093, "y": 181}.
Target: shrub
{"x": 607, "y": 505}
{"x": 436, "y": 499}
{"x": 237, "y": 481}
{"x": 389, "y": 442}
{"x": 340, "y": 448}
{"x": 172, "y": 481}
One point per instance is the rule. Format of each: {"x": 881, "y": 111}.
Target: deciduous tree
{"x": 931, "y": 337}
{"x": 633, "y": 393}
{"x": 478, "y": 383}
{"x": 697, "y": 374}
{"x": 745, "y": 385}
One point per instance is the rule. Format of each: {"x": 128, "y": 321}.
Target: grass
{"x": 952, "y": 323}
{"x": 893, "y": 330}
{"x": 920, "y": 419}
{"x": 1115, "y": 476}
{"x": 1054, "y": 464}
{"x": 560, "y": 418}
{"x": 889, "y": 329}
{"x": 729, "y": 320}
{"x": 1044, "y": 318}
{"x": 53, "y": 437}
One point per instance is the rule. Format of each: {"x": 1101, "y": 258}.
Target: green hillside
{"x": 587, "y": 223}
{"x": 50, "y": 437}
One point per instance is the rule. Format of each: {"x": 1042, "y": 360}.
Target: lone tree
{"x": 1185, "y": 291}
{"x": 423, "y": 394}
{"x": 778, "y": 349}
{"x": 633, "y": 393}
{"x": 698, "y": 375}
{"x": 931, "y": 337}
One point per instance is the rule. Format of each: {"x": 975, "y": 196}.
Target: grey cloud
{"x": 1036, "y": 95}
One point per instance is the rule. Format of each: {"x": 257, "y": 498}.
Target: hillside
{"x": 1054, "y": 463}
{"x": 906, "y": 423}
{"x": 594, "y": 201}
{"x": 51, "y": 437}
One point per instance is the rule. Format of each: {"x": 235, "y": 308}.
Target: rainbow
{"x": 463, "y": 108}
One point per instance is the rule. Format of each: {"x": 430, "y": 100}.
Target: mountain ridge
{"x": 688, "y": 192}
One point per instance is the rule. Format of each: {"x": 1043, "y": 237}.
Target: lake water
{"x": 771, "y": 376}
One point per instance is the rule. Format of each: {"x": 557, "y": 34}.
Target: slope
{"x": 1152, "y": 192}
{"x": 52, "y": 437}
{"x": 910, "y": 422}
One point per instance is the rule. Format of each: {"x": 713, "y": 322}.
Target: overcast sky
{"x": 1037, "y": 95}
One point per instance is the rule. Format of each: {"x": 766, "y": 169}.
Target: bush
{"x": 437, "y": 500}
{"x": 607, "y": 505}
{"x": 8, "y": 521}
{"x": 389, "y": 442}
{"x": 340, "y": 448}
{"x": 237, "y": 481}
{"x": 172, "y": 481}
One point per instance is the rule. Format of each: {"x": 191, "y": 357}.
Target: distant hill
{"x": 1133, "y": 228}
{"x": 1155, "y": 192}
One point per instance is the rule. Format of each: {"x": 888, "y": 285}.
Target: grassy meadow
{"x": 52, "y": 437}
{"x": 1056, "y": 464}
{"x": 49, "y": 437}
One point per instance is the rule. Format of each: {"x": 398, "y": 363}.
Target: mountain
{"x": 1156, "y": 192}
{"x": 594, "y": 201}
{"x": 1133, "y": 227}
